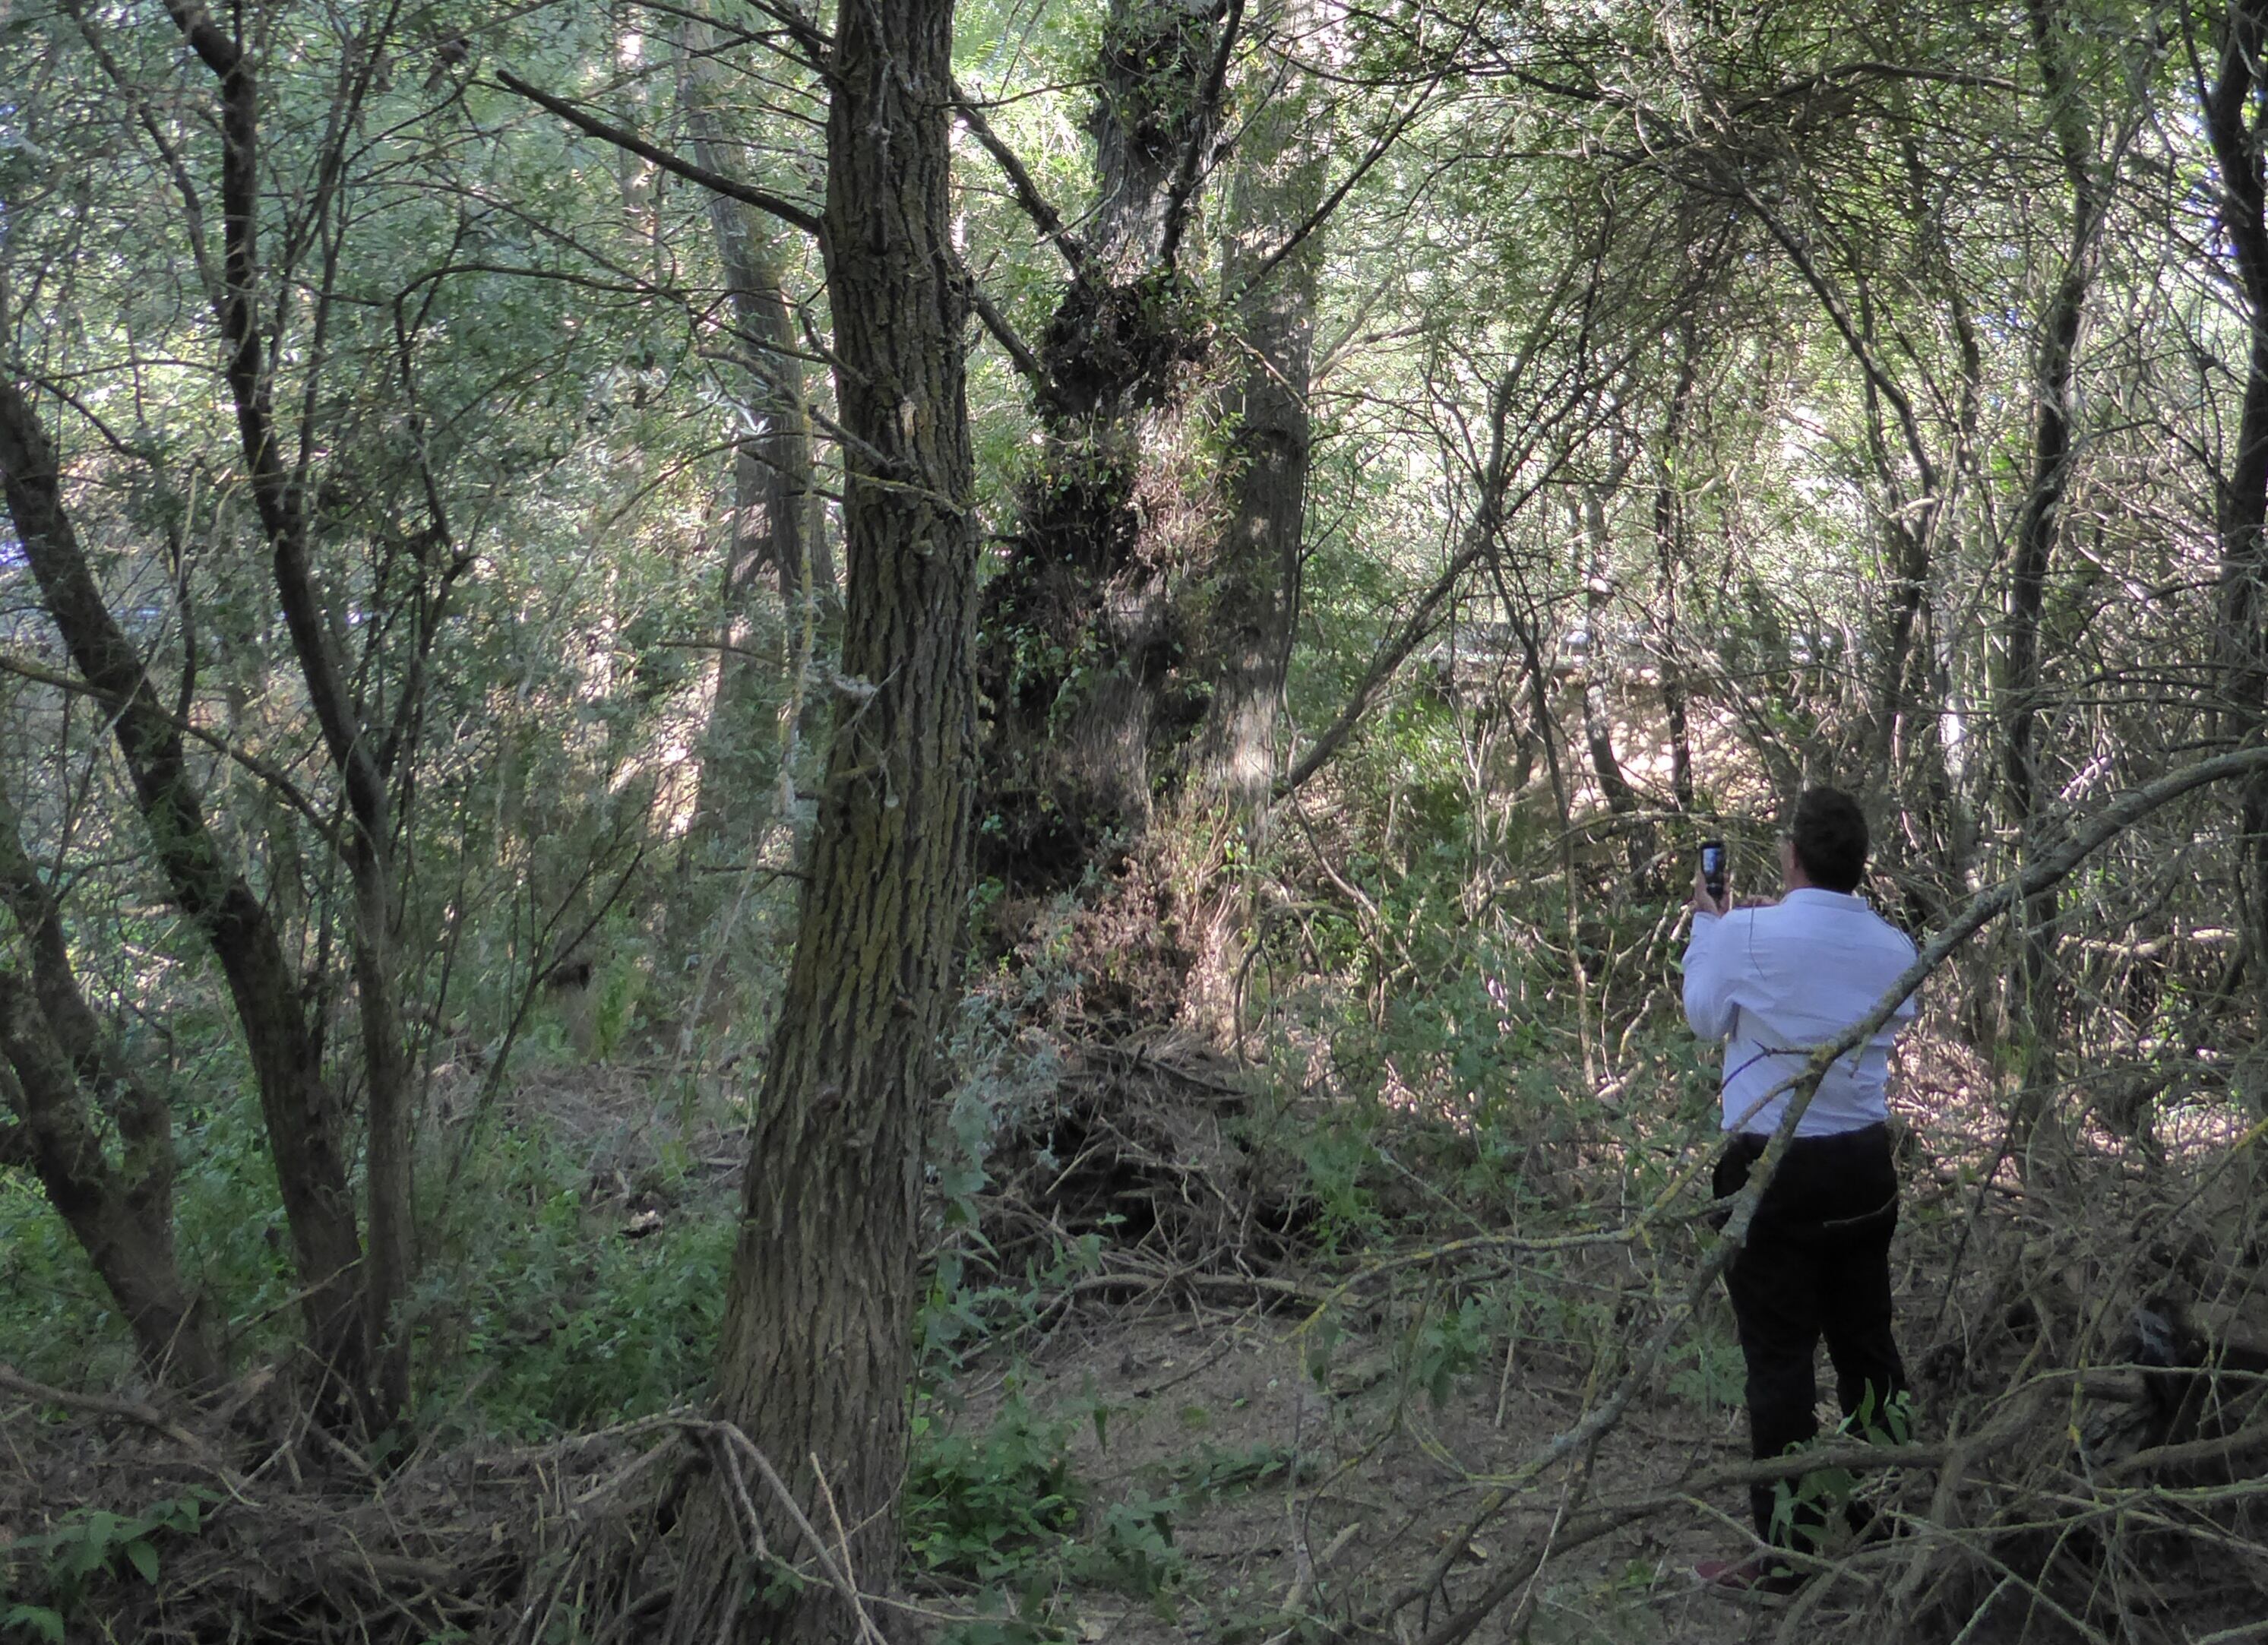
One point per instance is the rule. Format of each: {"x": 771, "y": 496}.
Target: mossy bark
{"x": 1085, "y": 651}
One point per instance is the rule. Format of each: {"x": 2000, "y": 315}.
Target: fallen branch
{"x": 1612, "y": 1517}
{"x": 101, "y": 1405}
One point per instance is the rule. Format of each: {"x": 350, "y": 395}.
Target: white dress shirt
{"x": 1775, "y": 982}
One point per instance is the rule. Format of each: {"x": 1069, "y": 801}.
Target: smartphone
{"x": 1713, "y": 867}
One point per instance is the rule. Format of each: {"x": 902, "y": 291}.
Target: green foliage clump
{"x": 54, "y": 1569}
{"x": 983, "y": 1506}
{"x": 540, "y": 1312}
{"x": 1003, "y": 1512}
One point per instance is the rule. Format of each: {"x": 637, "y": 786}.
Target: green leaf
{"x": 143, "y": 1558}
{"x": 45, "y": 1623}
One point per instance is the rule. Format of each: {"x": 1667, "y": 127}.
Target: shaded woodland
{"x": 871, "y": 823}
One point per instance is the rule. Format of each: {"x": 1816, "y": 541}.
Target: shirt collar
{"x": 1821, "y": 896}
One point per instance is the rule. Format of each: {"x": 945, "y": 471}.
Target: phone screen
{"x": 1713, "y": 867}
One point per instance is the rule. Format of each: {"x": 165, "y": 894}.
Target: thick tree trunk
{"x": 1085, "y": 667}
{"x": 1252, "y": 596}
{"x": 126, "y": 1231}
{"x": 1250, "y": 599}
{"x": 145, "y": 1126}
{"x": 816, "y": 1350}
{"x": 301, "y": 1114}
{"x": 122, "y": 1214}
{"x": 2242, "y": 503}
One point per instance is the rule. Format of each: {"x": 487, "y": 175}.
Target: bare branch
{"x": 747, "y": 194}
{"x": 1049, "y": 220}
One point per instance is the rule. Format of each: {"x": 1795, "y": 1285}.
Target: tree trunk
{"x": 775, "y": 522}
{"x": 127, "y": 1234}
{"x": 1590, "y": 512}
{"x": 816, "y": 1350}
{"x": 122, "y": 1214}
{"x": 145, "y": 1126}
{"x": 1252, "y": 597}
{"x": 1085, "y": 670}
{"x": 60, "y": 1054}
{"x": 1250, "y": 601}
{"x": 301, "y": 1114}
{"x": 2040, "y": 522}
{"x": 1669, "y": 555}
{"x": 2241, "y": 504}
{"x": 361, "y": 759}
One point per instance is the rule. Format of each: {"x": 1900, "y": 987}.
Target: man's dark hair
{"x": 1829, "y": 832}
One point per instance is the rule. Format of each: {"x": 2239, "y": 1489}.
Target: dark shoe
{"x": 1759, "y": 1573}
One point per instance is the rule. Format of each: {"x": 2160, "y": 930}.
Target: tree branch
{"x": 1045, "y": 216}
{"x": 1332, "y": 201}
{"x": 97, "y": 1404}
{"x": 747, "y": 194}
{"x": 1192, "y": 166}
{"x": 273, "y": 775}
{"x": 1491, "y": 512}
{"x": 1004, "y": 335}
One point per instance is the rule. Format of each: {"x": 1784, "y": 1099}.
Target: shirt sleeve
{"x": 1708, "y": 978}
{"x": 1912, "y": 1004}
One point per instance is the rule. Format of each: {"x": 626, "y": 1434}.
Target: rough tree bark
{"x": 127, "y": 1236}
{"x": 816, "y": 1349}
{"x": 2242, "y": 503}
{"x": 1252, "y": 594}
{"x": 1249, "y": 597}
{"x": 1085, "y": 644}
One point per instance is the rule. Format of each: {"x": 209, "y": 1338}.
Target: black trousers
{"x": 1816, "y": 1263}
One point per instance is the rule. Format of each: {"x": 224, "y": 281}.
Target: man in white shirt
{"x": 1773, "y": 982}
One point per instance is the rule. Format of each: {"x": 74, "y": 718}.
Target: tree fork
{"x": 301, "y": 1114}
{"x": 282, "y": 507}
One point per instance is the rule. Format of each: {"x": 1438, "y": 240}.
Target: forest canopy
{"x": 874, "y": 822}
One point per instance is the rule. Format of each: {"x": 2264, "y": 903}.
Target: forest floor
{"x": 1245, "y": 1452}
{"x": 1313, "y": 1457}
{"x": 1173, "y": 1425}
{"x": 1356, "y": 1484}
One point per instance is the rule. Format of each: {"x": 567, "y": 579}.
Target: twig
{"x": 732, "y": 1437}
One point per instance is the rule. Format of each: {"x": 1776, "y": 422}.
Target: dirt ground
{"x": 1375, "y": 1481}
{"x": 1368, "y": 1479}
